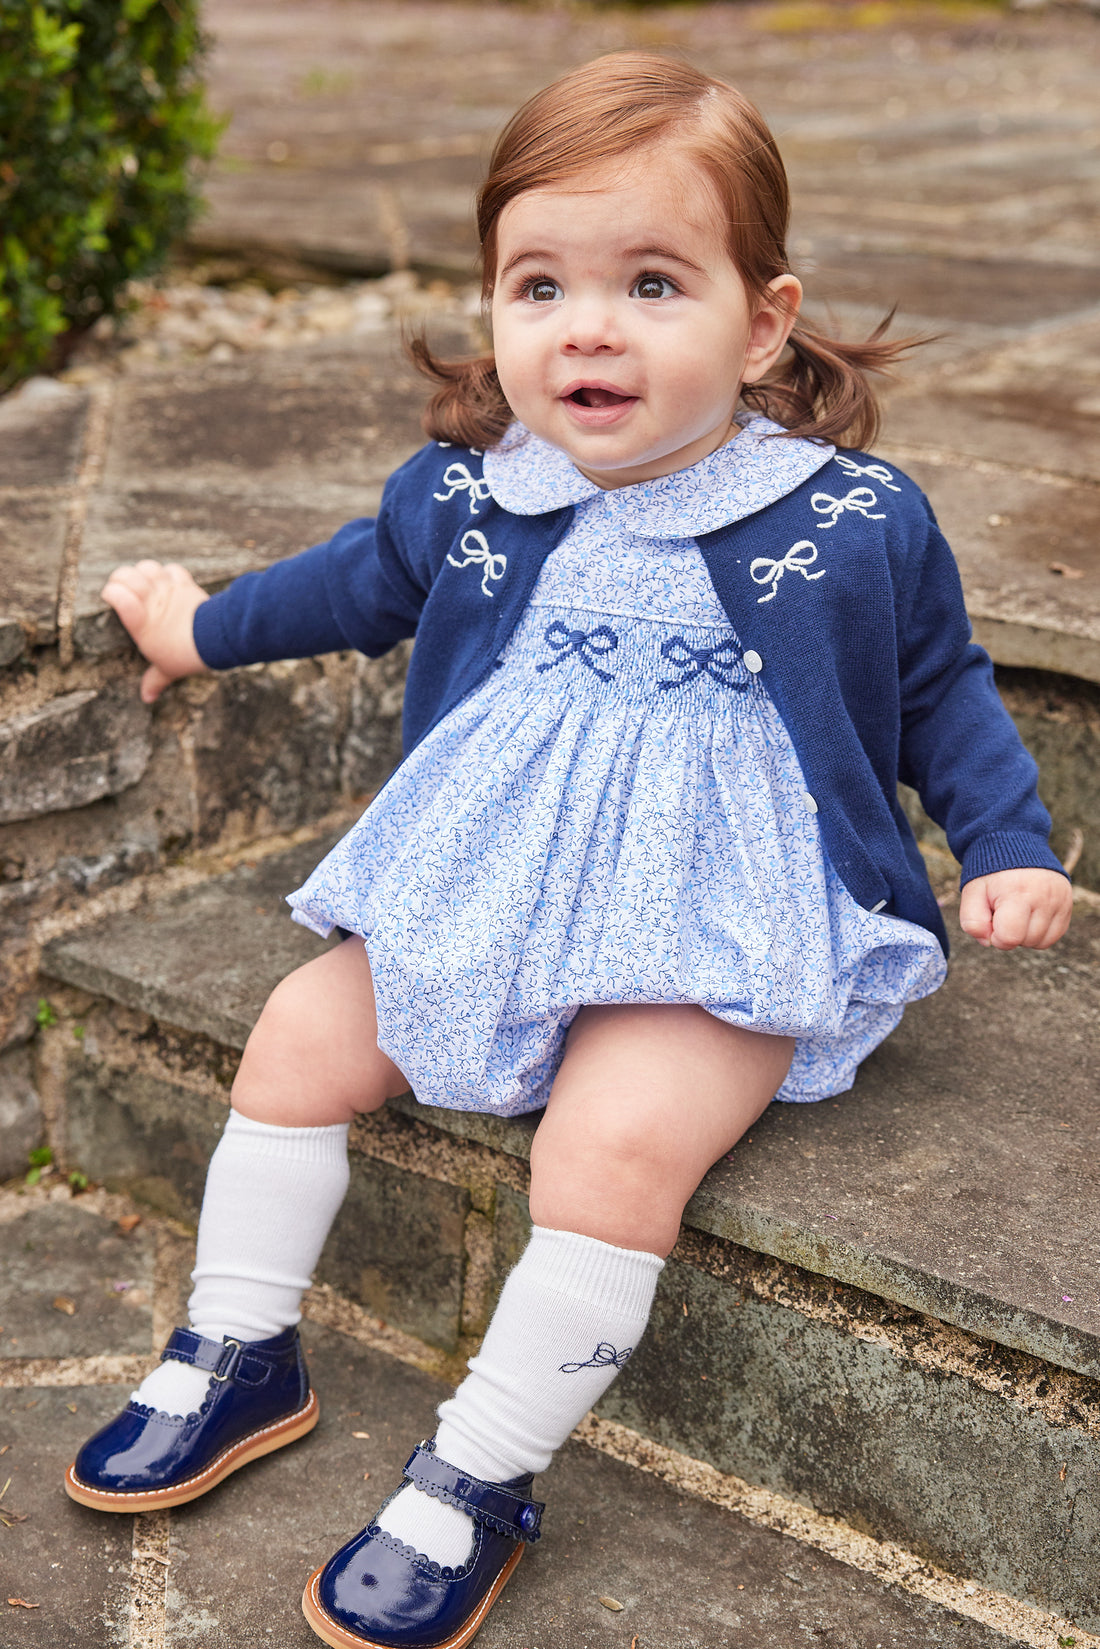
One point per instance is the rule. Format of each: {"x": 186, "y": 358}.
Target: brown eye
{"x": 543, "y": 291}
{"x": 653, "y": 286}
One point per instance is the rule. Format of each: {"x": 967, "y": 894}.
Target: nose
{"x": 591, "y": 328}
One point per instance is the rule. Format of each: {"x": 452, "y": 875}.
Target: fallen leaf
{"x": 634, "y": 1643}
{"x": 1062, "y": 1473}
{"x": 21, "y": 1603}
{"x": 5, "y": 1449}
{"x": 127, "y": 1223}
{"x": 1066, "y": 571}
{"x": 71, "y": 1407}
{"x": 366, "y": 1477}
{"x": 62, "y": 1302}
{"x": 363, "y": 1434}
{"x": 610, "y": 1603}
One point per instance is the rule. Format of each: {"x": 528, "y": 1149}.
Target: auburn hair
{"x": 614, "y": 108}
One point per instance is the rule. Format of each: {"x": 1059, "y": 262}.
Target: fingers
{"x": 975, "y": 911}
{"x": 127, "y": 602}
{"x": 157, "y": 603}
{"x": 153, "y": 683}
{"x": 130, "y": 590}
{"x": 1012, "y": 908}
{"x": 144, "y": 579}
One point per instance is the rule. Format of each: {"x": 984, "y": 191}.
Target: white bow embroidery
{"x": 877, "y": 472}
{"x": 459, "y": 479}
{"x": 800, "y": 556}
{"x": 859, "y": 499}
{"x": 478, "y": 554}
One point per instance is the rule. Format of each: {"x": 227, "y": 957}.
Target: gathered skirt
{"x": 617, "y": 815}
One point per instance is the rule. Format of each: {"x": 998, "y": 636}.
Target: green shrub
{"x": 102, "y": 122}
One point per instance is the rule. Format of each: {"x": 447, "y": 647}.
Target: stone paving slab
{"x": 227, "y": 1571}
{"x": 333, "y": 105}
{"x": 72, "y": 1563}
{"x": 226, "y": 467}
{"x": 112, "y": 1310}
{"x": 933, "y": 1184}
{"x": 1031, "y": 544}
{"x": 209, "y": 959}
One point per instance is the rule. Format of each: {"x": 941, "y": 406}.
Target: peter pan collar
{"x": 528, "y": 476}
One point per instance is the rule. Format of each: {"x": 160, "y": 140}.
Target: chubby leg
{"x": 279, "y": 1174}
{"x": 313, "y": 1059}
{"x": 647, "y": 1098}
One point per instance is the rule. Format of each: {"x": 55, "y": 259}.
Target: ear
{"x": 771, "y": 326}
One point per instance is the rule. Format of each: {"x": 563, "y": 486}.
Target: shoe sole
{"x": 338, "y": 1637}
{"x": 230, "y": 1460}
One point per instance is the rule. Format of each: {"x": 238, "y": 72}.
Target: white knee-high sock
{"x": 271, "y": 1196}
{"x": 569, "y": 1315}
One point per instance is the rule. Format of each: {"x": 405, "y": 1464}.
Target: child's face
{"x": 621, "y": 328}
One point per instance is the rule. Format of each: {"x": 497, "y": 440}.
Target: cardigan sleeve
{"x": 359, "y": 590}
{"x": 959, "y": 746}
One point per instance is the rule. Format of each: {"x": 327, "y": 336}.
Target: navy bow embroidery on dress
{"x": 589, "y": 645}
{"x": 604, "y": 1356}
{"x": 696, "y": 661}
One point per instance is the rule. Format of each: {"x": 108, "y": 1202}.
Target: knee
{"x": 301, "y": 1067}
{"x": 614, "y": 1184}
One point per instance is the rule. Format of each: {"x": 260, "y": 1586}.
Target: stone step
{"x": 688, "y": 1560}
{"x": 883, "y": 1307}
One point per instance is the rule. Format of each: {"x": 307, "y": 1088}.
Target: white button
{"x": 752, "y": 661}
{"x": 880, "y": 906}
{"x": 808, "y": 802}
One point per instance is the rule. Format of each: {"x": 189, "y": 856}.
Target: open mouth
{"x": 589, "y": 396}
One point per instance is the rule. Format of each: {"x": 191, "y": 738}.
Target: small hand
{"x": 157, "y": 605}
{"x": 1016, "y": 907}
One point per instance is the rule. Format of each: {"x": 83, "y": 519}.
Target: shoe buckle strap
{"x": 504, "y": 1510}
{"x": 217, "y": 1358}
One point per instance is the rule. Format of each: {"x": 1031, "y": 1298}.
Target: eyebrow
{"x": 632, "y": 254}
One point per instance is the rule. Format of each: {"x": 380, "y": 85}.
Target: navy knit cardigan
{"x": 859, "y": 627}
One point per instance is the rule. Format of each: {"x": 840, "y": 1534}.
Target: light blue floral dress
{"x": 616, "y": 815}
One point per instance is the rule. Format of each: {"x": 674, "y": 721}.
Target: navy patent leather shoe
{"x": 378, "y": 1593}
{"x": 258, "y": 1399}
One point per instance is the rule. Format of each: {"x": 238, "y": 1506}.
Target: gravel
{"x": 179, "y": 320}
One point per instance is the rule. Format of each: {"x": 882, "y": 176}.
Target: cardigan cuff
{"x": 1008, "y": 850}
{"x": 209, "y": 635}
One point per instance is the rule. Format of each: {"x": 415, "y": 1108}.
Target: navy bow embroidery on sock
{"x": 604, "y": 1356}
{"x": 696, "y": 661}
{"x": 589, "y": 645}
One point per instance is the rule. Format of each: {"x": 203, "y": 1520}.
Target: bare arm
{"x": 157, "y": 605}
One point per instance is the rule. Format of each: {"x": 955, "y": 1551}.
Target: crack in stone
{"x": 96, "y": 436}
{"x": 149, "y": 1566}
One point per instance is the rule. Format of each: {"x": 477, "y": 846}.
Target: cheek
{"x": 516, "y": 359}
